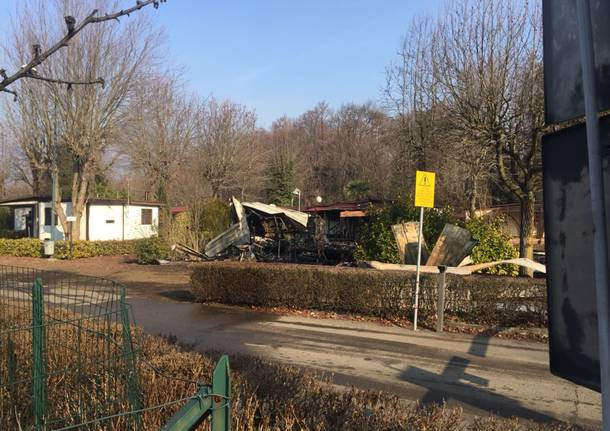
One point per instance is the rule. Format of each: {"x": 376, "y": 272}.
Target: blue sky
{"x": 283, "y": 57}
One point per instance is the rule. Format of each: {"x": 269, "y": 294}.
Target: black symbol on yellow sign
{"x": 424, "y": 181}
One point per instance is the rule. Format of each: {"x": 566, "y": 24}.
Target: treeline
{"x": 463, "y": 98}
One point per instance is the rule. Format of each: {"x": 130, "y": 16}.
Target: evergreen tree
{"x": 281, "y": 180}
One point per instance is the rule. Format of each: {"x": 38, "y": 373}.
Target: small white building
{"x": 103, "y": 219}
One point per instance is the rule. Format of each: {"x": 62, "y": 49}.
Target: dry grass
{"x": 270, "y": 396}
{"x": 266, "y": 395}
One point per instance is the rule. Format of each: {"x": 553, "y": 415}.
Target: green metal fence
{"x": 69, "y": 359}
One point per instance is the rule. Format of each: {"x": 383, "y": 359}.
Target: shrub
{"x": 200, "y": 223}
{"x": 32, "y": 247}
{"x": 23, "y": 247}
{"x": 507, "y": 301}
{"x": 377, "y": 241}
{"x": 82, "y": 249}
{"x": 150, "y": 250}
{"x": 493, "y": 244}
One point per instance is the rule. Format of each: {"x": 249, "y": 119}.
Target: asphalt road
{"x": 483, "y": 375}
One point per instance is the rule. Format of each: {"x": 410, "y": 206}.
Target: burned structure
{"x": 270, "y": 233}
{"x": 341, "y": 224}
{"x": 264, "y": 232}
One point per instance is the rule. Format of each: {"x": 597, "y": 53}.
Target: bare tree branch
{"x": 73, "y": 29}
{"x": 14, "y": 93}
{"x": 64, "y": 81}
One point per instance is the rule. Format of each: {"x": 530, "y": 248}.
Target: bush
{"x": 32, "y": 247}
{"x": 150, "y": 250}
{"x": 23, "y": 247}
{"x": 377, "y": 241}
{"x": 506, "y": 301}
{"x": 200, "y": 223}
{"x": 493, "y": 244}
{"x": 82, "y": 249}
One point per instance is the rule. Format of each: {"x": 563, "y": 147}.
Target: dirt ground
{"x": 171, "y": 281}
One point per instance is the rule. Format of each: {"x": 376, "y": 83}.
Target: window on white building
{"x": 146, "y": 218}
{"x": 47, "y": 217}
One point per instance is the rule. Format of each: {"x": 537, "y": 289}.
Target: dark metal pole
{"x": 53, "y": 197}
{"x": 38, "y": 346}
{"x": 440, "y": 302}
{"x": 585, "y": 40}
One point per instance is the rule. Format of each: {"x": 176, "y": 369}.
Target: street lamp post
{"x": 297, "y": 192}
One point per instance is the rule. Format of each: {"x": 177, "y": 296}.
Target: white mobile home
{"x": 103, "y": 219}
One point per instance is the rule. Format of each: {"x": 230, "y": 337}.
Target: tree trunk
{"x": 59, "y": 211}
{"x": 80, "y": 192}
{"x": 80, "y": 188}
{"x": 165, "y": 216}
{"x": 40, "y": 181}
{"x": 471, "y": 194}
{"x": 526, "y": 230}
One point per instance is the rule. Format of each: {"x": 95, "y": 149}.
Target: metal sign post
{"x": 416, "y": 306}
{"x": 424, "y": 198}
{"x": 585, "y": 41}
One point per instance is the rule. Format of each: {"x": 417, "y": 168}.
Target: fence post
{"x": 38, "y": 366}
{"x": 221, "y": 400}
{"x": 129, "y": 355}
{"x": 440, "y": 302}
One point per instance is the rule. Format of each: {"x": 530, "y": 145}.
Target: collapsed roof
{"x": 240, "y": 234}
{"x": 271, "y": 210}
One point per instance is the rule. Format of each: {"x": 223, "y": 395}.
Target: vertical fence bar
{"x": 11, "y": 370}
{"x": 133, "y": 385}
{"x": 221, "y": 400}
{"x": 38, "y": 366}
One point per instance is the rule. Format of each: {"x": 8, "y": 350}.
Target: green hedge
{"x": 150, "y": 250}
{"x": 82, "y": 249}
{"x": 506, "y": 301}
{"x": 32, "y": 247}
{"x": 23, "y": 247}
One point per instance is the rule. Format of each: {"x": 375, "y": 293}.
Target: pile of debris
{"x": 266, "y": 233}
{"x": 451, "y": 252}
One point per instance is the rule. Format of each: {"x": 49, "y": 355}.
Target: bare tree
{"x": 358, "y": 151}
{"x": 466, "y": 95}
{"x": 28, "y": 70}
{"x": 160, "y": 134}
{"x": 410, "y": 96}
{"x": 226, "y": 145}
{"x": 518, "y": 148}
{"x": 82, "y": 120}
{"x": 487, "y": 57}
{"x": 314, "y": 132}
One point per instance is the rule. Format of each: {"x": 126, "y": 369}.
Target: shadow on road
{"x": 455, "y": 383}
{"x": 178, "y": 295}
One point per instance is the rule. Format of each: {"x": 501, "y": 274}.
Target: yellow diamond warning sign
{"x": 424, "y": 189}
